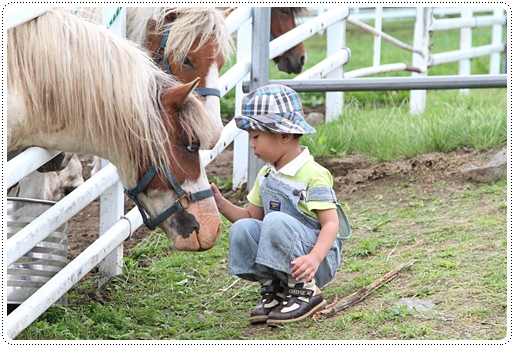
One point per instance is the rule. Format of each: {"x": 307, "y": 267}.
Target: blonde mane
{"x": 188, "y": 24}
{"x": 78, "y": 77}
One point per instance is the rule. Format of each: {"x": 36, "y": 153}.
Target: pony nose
{"x": 303, "y": 60}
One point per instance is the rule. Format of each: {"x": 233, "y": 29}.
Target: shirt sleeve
{"x": 322, "y": 179}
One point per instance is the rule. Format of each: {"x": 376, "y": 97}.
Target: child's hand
{"x": 217, "y": 194}
{"x": 305, "y": 267}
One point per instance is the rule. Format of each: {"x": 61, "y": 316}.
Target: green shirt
{"x": 301, "y": 173}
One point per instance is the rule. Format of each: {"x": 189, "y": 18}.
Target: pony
{"x": 197, "y": 47}
{"x": 282, "y": 21}
{"x": 76, "y": 87}
{"x": 185, "y": 42}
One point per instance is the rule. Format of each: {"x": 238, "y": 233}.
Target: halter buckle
{"x": 187, "y": 198}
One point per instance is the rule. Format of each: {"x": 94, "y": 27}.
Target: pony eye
{"x": 187, "y": 62}
{"x": 193, "y": 148}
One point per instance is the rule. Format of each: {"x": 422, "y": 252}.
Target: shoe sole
{"x": 258, "y": 319}
{"x": 275, "y": 322}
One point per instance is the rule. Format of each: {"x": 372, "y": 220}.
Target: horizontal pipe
{"x": 26, "y": 162}
{"x": 17, "y": 15}
{"x": 326, "y": 66}
{"x": 471, "y": 53}
{"x": 65, "y": 279}
{"x": 230, "y": 132}
{"x": 373, "y": 70}
{"x": 475, "y": 22}
{"x": 238, "y": 17}
{"x": 392, "y": 83}
{"x": 35, "y": 232}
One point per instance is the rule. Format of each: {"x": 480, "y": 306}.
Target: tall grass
{"x": 388, "y": 133}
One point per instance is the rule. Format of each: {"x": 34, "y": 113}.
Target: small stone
{"x": 417, "y": 304}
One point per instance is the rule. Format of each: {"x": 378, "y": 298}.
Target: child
{"x": 287, "y": 237}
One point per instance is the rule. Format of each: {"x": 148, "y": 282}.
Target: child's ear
{"x": 287, "y": 137}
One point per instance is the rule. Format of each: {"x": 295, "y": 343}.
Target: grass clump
{"x": 393, "y": 133}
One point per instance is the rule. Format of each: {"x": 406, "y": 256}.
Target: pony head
{"x": 178, "y": 197}
{"x": 282, "y": 21}
{"x": 189, "y": 43}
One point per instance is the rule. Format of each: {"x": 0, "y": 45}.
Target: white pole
{"x": 421, "y": 42}
{"x": 336, "y": 41}
{"x": 26, "y": 162}
{"x": 112, "y": 201}
{"x": 497, "y": 33}
{"x": 377, "y": 41}
{"x": 240, "y": 153}
{"x": 465, "y": 44}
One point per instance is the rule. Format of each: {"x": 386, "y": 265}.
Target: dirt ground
{"x": 354, "y": 175}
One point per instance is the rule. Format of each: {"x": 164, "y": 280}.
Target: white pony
{"x": 196, "y": 46}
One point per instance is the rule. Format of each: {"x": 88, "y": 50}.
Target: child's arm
{"x": 305, "y": 267}
{"x": 233, "y": 212}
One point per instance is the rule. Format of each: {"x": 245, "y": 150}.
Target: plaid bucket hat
{"x": 273, "y": 108}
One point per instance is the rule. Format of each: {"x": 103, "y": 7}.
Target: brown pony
{"x": 186, "y": 42}
{"x": 74, "y": 86}
{"x": 282, "y": 21}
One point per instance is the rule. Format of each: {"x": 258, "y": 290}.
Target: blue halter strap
{"x": 159, "y": 56}
{"x": 183, "y": 201}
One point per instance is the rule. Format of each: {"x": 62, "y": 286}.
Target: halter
{"x": 160, "y": 57}
{"x": 183, "y": 201}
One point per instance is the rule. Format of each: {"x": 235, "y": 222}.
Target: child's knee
{"x": 243, "y": 231}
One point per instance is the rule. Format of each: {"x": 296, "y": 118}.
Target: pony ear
{"x": 228, "y": 11}
{"x": 175, "y": 97}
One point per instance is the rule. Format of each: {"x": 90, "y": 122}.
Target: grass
{"x": 189, "y": 296}
{"x": 458, "y": 237}
{"x": 388, "y": 133}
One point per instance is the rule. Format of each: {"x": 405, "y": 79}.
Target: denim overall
{"x": 266, "y": 248}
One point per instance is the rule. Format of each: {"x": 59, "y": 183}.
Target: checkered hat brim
{"x": 273, "y": 108}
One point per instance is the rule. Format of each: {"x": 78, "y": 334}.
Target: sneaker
{"x": 299, "y": 304}
{"x": 272, "y": 293}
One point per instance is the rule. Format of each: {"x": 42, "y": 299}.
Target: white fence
{"x": 115, "y": 228}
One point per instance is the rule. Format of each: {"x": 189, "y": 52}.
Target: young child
{"x": 287, "y": 237}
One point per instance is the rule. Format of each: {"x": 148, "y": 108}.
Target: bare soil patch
{"x": 355, "y": 177}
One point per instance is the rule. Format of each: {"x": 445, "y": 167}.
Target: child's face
{"x": 266, "y": 146}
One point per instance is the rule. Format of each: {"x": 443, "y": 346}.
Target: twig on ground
{"x": 230, "y": 286}
{"x": 394, "y": 249}
{"x": 356, "y": 297}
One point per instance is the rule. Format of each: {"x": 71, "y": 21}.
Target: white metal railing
{"x": 26, "y": 162}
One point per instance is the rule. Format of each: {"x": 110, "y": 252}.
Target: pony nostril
{"x": 303, "y": 59}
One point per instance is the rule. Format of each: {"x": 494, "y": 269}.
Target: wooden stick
{"x": 356, "y": 297}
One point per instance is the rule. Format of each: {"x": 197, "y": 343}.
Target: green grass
{"x": 388, "y": 133}
{"x": 461, "y": 267}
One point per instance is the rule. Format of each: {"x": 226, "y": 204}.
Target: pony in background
{"x": 282, "y": 21}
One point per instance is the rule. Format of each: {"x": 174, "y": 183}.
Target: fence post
{"x": 421, "y": 42}
{"x": 240, "y": 154}
{"x": 336, "y": 40}
{"x": 259, "y": 73}
{"x": 112, "y": 200}
{"x": 377, "y": 39}
{"x": 465, "y": 44}
{"x": 497, "y": 36}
